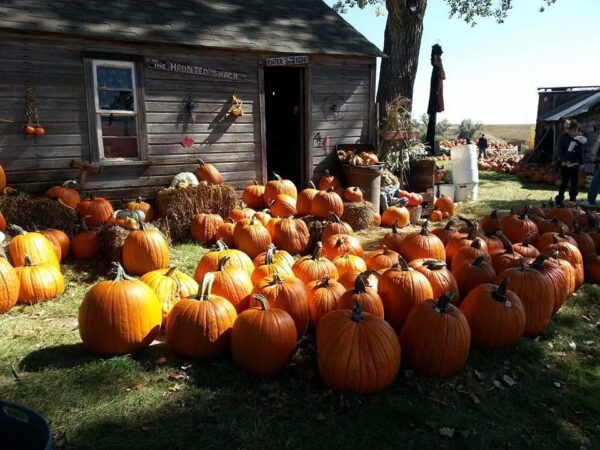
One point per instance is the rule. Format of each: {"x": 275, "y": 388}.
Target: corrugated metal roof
{"x": 574, "y": 109}
{"x": 283, "y": 26}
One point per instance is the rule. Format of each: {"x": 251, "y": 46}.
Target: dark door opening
{"x": 284, "y": 117}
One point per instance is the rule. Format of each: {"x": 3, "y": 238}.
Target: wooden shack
{"x": 143, "y": 89}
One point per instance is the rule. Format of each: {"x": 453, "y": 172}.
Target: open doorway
{"x": 284, "y": 119}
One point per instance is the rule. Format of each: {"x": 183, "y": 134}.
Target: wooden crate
{"x": 420, "y": 177}
{"x": 427, "y": 205}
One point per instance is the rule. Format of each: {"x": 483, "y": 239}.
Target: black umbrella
{"x": 436, "y": 93}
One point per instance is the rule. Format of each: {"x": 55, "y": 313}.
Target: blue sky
{"x": 493, "y": 70}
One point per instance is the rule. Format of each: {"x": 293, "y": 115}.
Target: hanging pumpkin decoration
{"x": 32, "y": 122}
{"x": 236, "y": 109}
{"x": 65, "y": 193}
{"x": 38, "y": 282}
{"x": 323, "y": 296}
{"x": 145, "y": 250}
{"x": 208, "y": 172}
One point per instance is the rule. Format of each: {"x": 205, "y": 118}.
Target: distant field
{"x": 515, "y": 132}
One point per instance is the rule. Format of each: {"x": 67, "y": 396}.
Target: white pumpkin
{"x": 188, "y": 177}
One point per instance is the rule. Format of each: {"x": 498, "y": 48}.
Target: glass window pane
{"x": 115, "y": 100}
{"x": 118, "y": 126}
{"x": 113, "y": 77}
{"x": 120, "y": 147}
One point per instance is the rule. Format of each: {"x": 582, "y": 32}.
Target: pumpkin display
{"x": 440, "y": 278}
{"x": 327, "y": 202}
{"x": 278, "y": 255}
{"x": 414, "y": 199}
{"x": 381, "y": 259}
{"x": 170, "y": 285}
{"x": 398, "y": 215}
{"x": 270, "y": 267}
{"x": 208, "y": 172}
{"x": 353, "y": 194}
{"x": 328, "y": 181}
{"x": 367, "y": 297}
{"x": 9, "y": 286}
{"x": 33, "y": 244}
{"x": 263, "y": 340}
{"x": 230, "y": 282}
{"x": 323, "y": 296}
{"x": 205, "y": 226}
{"x": 291, "y": 235}
{"x": 140, "y": 205}
{"x": 251, "y": 237}
{"x": 60, "y": 242}
{"x": 38, "y": 282}
{"x": 287, "y": 293}
{"x": 86, "y": 244}
{"x": 314, "y": 266}
{"x": 400, "y": 289}
{"x": 119, "y": 316}
{"x": 470, "y": 253}
{"x": 357, "y": 351}
{"x": 279, "y": 186}
{"x": 422, "y": 244}
{"x": 525, "y": 248}
{"x": 145, "y": 250}
{"x": 571, "y": 253}
{"x": 446, "y": 233}
{"x": 339, "y": 244}
{"x": 210, "y": 261}
{"x": 470, "y": 274}
{"x": 536, "y": 294}
{"x": 348, "y": 262}
{"x": 253, "y": 195}
{"x": 305, "y": 198}
{"x": 95, "y": 210}
{"x": 393, "y": 239}
{"x": 515, "y": 228}
{"x": 444, "y": 204}
{"x": 225, "y": 233}
{"x": 336, "y": 226}
{"x": 66, "y": 193}
{"x": 436, "y": 338}
{"x": 200, "y": 326}
{"x": 495, "y": 315}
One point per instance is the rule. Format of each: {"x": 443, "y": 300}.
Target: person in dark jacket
{"x": 482, "y": 144}
{"x": 570, "y": 156}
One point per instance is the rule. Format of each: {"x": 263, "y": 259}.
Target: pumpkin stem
{"x": 170, "y": 271}
{"x": 222, "y": 262}
{"x": 402, "y": 263}
{"x": 468, "y": 223}
{"x": 525, "y": 215}
{"x": 434, "y": 264}
{"x": 28, "y": 262}
{"x": 478, "y": 261}
{"x": 311, "y": 185}
{"x": 330, "y": 189}
{"x": 394, "y": 227}
{"x": 120, "y": 273}
{"x": 277, "y": 177}
{"x": 276, "y": 279}
{"x": 495, "y": 232}
{"x": 316, "y": 254}
{"x": 538, "y": 262}
{"x": 360, "y": 284}
{"x": 441, "y": 305}
{"x": 526, "y": 240}
{"x": 206, "y": 288}
{"x": 500, "y": 293}
{"x": 473, "y": 230}
{"x": 555, "y": 239}
{"x": 334, "y": 218}
{"x": 201, "y": 162}
{"x": 476, "y": 243}
{"x": 508, "y": 248}
{"x": 449, "y": 224}
{"x": 16, "y": 229}
{"x": 494, "y": 214}
{"x": 69, "y": 183}
{"x": 324, "y": 281}
{"x": 138, "y": 200}
{"x": 424, "y": 231}
{"x": 356, "y": 312}
{"x": 264, "y": 303}
{"x": 269, "y": 255}
{"x": 221, "y": 245}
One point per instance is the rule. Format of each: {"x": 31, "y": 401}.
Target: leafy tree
{"x": 441, "y": 127}
{"x": 403, "y": 32}
{"x": 468, "y": 128}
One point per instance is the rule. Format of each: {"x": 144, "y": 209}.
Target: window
{"x": 115, "y": 110}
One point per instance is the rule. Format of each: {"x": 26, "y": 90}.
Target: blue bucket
{"x": 22, "y": 428}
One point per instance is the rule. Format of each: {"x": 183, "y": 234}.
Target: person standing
{"x": 595, "y": 185}
{"x": 570, "y": 156}
{"x": 482, "y": 144}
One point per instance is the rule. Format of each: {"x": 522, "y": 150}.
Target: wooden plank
{"x": 319, "y": 99}
{"x": 156, "y": 149}
{"x": 141, "y": 112}
{"x": 201, "y": 139}
{"x": 16, "y": 152}
{"x": 192, "y": 158}
{"x": 373, "y": 109}
{"x": 263, "y": 124}
{"x": 359, "y": 124}
{"x": 47, "y": 140}
{"x": 174, "y": 104}
{"x": 308, "y": 124}
{"x": 342, "y": 89}
{"x": 211, "y": 127}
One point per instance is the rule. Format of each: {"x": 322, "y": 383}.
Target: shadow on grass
{"x": 65, "y": 356}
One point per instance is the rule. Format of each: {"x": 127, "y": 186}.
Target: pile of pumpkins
{"x": 500, "y": 163}
{"x": 543, "y": 173}
{"x": 356, "y": 158}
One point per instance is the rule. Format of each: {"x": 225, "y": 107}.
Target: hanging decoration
{"x": 32, "y": 122}
{"x": 436, "y": 93}
{"x": 236, "y": 109}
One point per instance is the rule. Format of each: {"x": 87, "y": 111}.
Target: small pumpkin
{"x": 270, "y": 267}
{"x": 205, "y": 226}
{"x": 66, "y": 193}
{"x": 347, "y": 262}
{"x": 210, "y": 261}
{"x": 339, "y": 244}
{"x": 444, "y": 204}
{"x": 328, "y": 181}
{"x": 470, "y": 274}
{"x": 315, "y": 266}
{"x": 393, "y": 239}
{"x": 208, "y": 172}
{"x": 145, "y": 250}
{"x": 253, "y": 195}
{"x": 232, "y": 283}
{"x": 440, "y": 278}
{"x": 323, "y": 296}
{"x": 86, "y": 244}
{"x": 381, "y": 259}
{"x": 95, "y": 210}
{"x": 38, "y": 282}
{"x": 353, "y": 194}
{"x": 395, "y": 214}
{"x": 140, "y": 205}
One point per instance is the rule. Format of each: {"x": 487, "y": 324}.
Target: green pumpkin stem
{"x": 443, "y": 302}
{"x": 356, "y": 312}
{"x": 221, "y": 245}
{"x": 264, "y": 303}
{"x": 170, "y": 271}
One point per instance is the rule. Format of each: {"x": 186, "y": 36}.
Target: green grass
{"x": 152, "y": 400}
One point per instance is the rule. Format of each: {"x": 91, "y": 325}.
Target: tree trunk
{"x": 402, "y": 43}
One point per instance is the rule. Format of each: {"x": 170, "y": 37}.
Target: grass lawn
{"x": 542, "y": 393}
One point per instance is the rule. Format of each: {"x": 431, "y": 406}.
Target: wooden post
{"x": 84, "y": 169}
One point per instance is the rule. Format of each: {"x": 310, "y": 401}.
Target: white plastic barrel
{"x": 445, "y": 189}
{"x": 467, "y": 192}
{"x": 464, "y": 164}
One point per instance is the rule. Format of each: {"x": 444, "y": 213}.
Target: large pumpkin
{"x": 9, "y": 286}
{"x": 490, "y": 222}
{"x": 585, "y": 243}
{"x": 381, "y": 259}
{"x": 367, "y": 297}
{"x": 253, "y": 195}
{"x": 422, "y": 244}
{"x": 323, "y": 296}
{"x": 470, "y": 274}
{"x": 145, "y": 250}
{"x": 447, "y": 232}
{"x": 271, "y": 266}
{"x": 339, "y": 244}
{"x": 398, "y": 215}
{"x": 119, "y": 316}
{"x": 515, "y": 228}
{"x": 263, "y": 339}
{"x": 571, "y": 253}
{"x": 393, "y": 239}
{"x": 65, "y": 193}
{"x": 506, "y": 258}
{"x": 336, "y": 226}
{"x": 232, "y": 283}
{"x": 470, "y": 253}
{"x": 436, "y": 338}
{"x": 291, "y": 235}
{"x": 305, "y": 198}
{"x": 348, "y": 262}
{"x": 440, "y": 278}
{"x": 170, "y": 285}
{"x": 33, "y": 244}
{"x": 200, "y": 326}
{"x": 205, "y": 227}
{"x": 357, "y": 351}
{"x": 210, "y": 261}
{"x": 251, "y": 237}
{"x": 315, "y": 266}
{"x": 283, "y": 206}
{"x": 209, "y": 173}
{"x": 495, "y": 314}
{"x": 326, "y": 203}
{"x": 95, "y": 211}
{"x": 279, "y": 186}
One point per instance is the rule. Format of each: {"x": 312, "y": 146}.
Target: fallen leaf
{"x": 508, "y": 380}
{"x": 572, "y": 345}
{"x": 588, "y": 342}
{"x": 447, "y": 432}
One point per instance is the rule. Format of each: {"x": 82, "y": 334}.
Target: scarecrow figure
{"x": 436, "y": 93}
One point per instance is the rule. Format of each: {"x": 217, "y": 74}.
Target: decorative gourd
{"x": 291, "y": 235}
{"x": 86, "y": 244}
{"x": 400, "y": 289}
{"x": 251, "y": 237}
{"x": 495, "y": 314}
{"x": 137, "y": 214}
{"x": 38, "y": 282}
{"x": 326, "y": 203}
{"x": 65, "y": 193}
{"x": 315, "y": 266}
{"x": 336, "y": 226}
{"x": 422, "y": 244}
{"x": 263, "y": 340}
{"x": 395, "y": 214}
{"x": 393, "y": 239}
{"x": 339, "y": 244}
{"x": 381, "y": 259}
{"x": 33, "y": 244}
{"x": 210, "y": 261}
{"x": 170, "y": 286}
{"x": 279, "y": 186}
{"x": 357, "y": 351}
{"x": 305, "y": 198}
{"x": 323, "y": 296}
{"x": 145, "y": 250}
{"x": 209, "y": 173}
{"x": 60, "y": 242}
{"x": 225, "y": 233}
{"x": 436, "y": 338}
{"x": 329, "y": 181}
{"x": 525, "y": 248}
{"x": 119, "y": 316}
{"x": 95, "y": 211}
{"x": 184, "y": 179}
{"x": 348, "y": 262}
{"x": 470, "y": 274}
{"x": 367, "y": 297}
{"x": 470, "y": 253}
{"x": 9, "y": 286}
{"x": 287, "y": 293}
{"x": 205, "y": 226}
{"x": 270, "y": 267}
{"x": 253, "y": 195}
{"x": 353, "y": 194}
{"x": 444, "y": 204}
{"x": 440, "y": 278}
{"x": 200, "y": 326}
{"x": 140, "y": 205}
{"x": 283, "y": 206}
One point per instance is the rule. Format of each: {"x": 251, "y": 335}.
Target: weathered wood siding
{"x": 55, "y": 70}
{"x": 349, "y": 80}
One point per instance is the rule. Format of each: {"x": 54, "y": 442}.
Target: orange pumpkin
{"x": 205, "y": 226}
{"x": 279, "y": 186}
{"x": 339, "y": 244}
{"x": 305, "y": 198}
{"x": 328, "y": 181}
{"x": 253, "y": 195}
{"x": 326, "y": 203}
{"x": 209, "y": 173}
{"x": 65, "y": 193}
{"x": 396, "y": 214}
{"x": 353, "y": 194}
{"x": 283, "y": 206}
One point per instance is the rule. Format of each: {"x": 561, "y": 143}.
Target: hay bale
{"x": 177, "y": 206}
{"x": 359, "y": 215}
{"x": 30, "y": 212}
{"x": 112, "y": 238}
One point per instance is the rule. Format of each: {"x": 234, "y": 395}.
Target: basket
{"x": 22, "y": 428}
